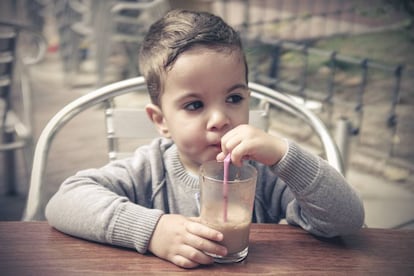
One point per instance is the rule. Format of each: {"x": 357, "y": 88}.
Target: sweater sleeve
{"x": 324, "y": 203}
{"x": 111, "y": 204}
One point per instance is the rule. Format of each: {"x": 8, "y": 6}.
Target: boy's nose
{"x": 218, "y": 120}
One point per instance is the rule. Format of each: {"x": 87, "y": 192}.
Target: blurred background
{"x": 351, "y": 62}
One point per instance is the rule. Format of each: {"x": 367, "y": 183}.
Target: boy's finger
{"x": 220, "y": 157}
{"x": 204, "y": 245}
{"x": 183, "y": 262}
{"x": 199, "y": 229}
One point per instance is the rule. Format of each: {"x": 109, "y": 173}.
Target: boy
{"x": 196, "y": 75}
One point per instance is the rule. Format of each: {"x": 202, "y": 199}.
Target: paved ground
{"x": 385, "y": 187}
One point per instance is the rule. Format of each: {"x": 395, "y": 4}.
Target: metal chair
{"x": 15, "y": 94}
{"x": 266, "y": 97}
{"x": 101, "y": 28}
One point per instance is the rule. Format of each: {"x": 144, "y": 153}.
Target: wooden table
{"x": 34, "y": 248}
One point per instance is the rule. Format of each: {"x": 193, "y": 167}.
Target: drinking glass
{"x": 227, "y": 206}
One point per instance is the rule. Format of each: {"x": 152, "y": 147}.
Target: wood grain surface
{"x": 35, "y": 248}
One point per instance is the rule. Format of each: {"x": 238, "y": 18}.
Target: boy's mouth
{"x": 218, "y": 146}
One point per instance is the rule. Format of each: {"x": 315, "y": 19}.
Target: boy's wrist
{"x": 282, "y": 149}
{"x": 285, "y": 140}
{"x": 298, "y": 168}
{"x": 134, "y": 226}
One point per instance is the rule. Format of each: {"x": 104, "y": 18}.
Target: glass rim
{"x": 245, "y": 166}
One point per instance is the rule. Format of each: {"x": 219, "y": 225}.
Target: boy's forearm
{"x": 96, "y": 213}
{"x": 134, "y": 227}
{"x": 325, "y": 204}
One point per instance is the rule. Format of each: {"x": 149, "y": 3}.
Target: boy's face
{"x": 205, "y": 96}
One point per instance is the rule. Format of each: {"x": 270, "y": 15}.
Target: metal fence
{"x": 326, "y": 90}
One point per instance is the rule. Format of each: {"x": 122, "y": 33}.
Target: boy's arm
{"x": 107, "y": 205}
{"x": 325, "y": 204}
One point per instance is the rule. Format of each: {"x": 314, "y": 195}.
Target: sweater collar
{"x": 178, "y": 171}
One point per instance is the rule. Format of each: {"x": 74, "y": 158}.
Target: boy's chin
{"x": 207, "y": 158}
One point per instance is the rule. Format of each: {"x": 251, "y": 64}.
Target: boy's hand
{"x": 183, "y": 241}
{"x": 247, "y": 142}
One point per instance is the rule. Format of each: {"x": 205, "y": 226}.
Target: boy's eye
{"x": 193, "y": 105}
{"x": 234, "y": 99}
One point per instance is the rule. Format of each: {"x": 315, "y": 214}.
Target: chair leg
{"x": 28, "y": 159}
{"x": 9, "y": 166}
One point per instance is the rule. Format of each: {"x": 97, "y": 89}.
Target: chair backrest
{"x": 127, "y": 123}
{"x": 265, "y": 96}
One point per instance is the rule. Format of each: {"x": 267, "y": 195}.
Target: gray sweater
{"x": 121, "y": 202}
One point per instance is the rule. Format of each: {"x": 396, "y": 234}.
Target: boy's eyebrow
{"x": 238, "y": 86}
{"x": 232, "y": 88}
{"x": 185, "y": 97}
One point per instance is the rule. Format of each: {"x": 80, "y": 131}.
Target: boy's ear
{"x": 157, "y": 117}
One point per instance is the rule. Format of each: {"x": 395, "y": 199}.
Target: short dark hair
{"x": 177, "y": 32}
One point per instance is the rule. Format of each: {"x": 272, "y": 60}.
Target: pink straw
{"x": 226, "y": 186}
